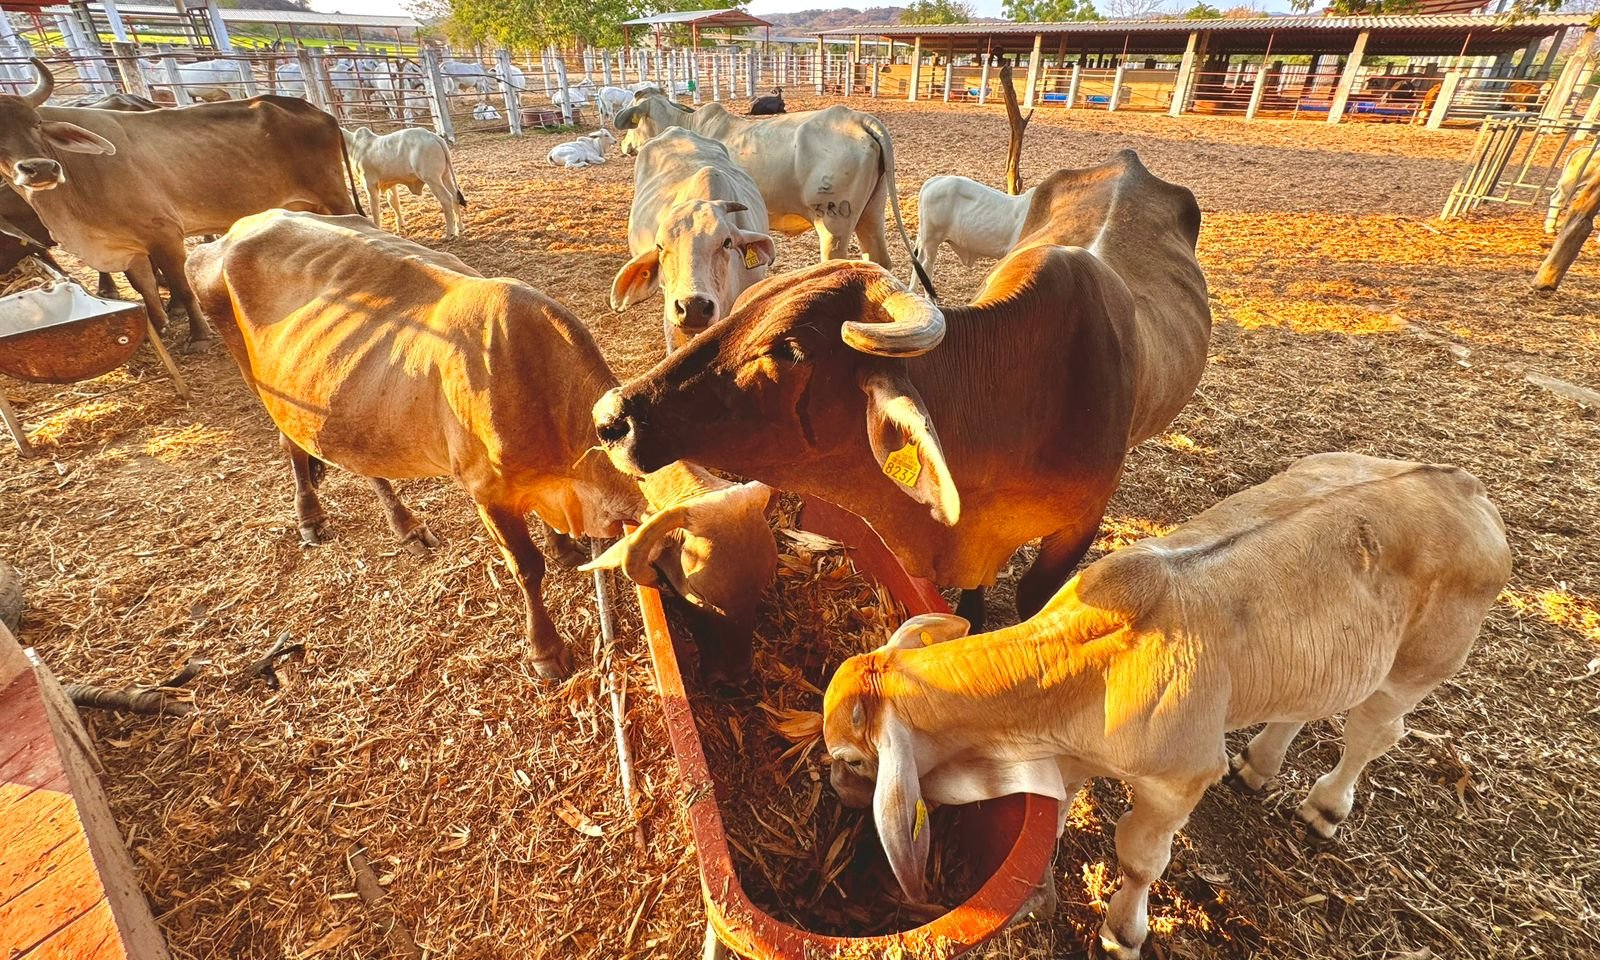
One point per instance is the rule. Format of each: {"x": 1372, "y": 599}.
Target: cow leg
{"x": 143, "y": 278}
{"x": 971, "y": 608}
{"x": 510, "y": 531}
{"x": 169, "y": 260}
{"x": 563, "y": 549}
{"x": 413, "y": 533}
{"x": 834, "y": 245}
{"x": 308, "y": 472}
{"x": 106, "y": 286}
{"x": 399, "y": 216}
{"x": 447, "y": 206}
{"x": 1059, "y": 555}
{"x": 374, "y": 199}
{"x": 1144, "y": 847}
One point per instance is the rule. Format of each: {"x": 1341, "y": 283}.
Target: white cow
{"x": 612, "y": 100}
{"x": 577, "y": 93}
{"x": 831, "y": 170}
{"x": 462, "y": 76}
{"x": 401, "y": 90}
{"x": 582, "y": 152}
{"x": 1582, "y": 166}
{"x": 976, "y": 220}
{"x": 412, "y": 157}
{"x": 291, "y": 82}
{"x": 354, "y": 79}
{"x": 696, "y": 232}
{"x": 485, "y": 111}
{"x": 203, "y": 79}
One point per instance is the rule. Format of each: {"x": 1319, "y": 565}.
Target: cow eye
{"x": 727, "y": 243}
{"x": 789, "y": 350}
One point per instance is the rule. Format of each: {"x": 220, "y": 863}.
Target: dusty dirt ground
{"x": 152, "y": 532}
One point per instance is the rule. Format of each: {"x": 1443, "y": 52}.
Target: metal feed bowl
{"x": 62, "y": 334}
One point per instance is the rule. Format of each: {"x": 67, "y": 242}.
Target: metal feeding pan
{"x": 60, "y": 333}
{"x": 1010, "y": 840}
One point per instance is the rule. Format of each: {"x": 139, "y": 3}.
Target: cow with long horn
{"x": 122, "y": 190}
{"x": 986, "y": 426}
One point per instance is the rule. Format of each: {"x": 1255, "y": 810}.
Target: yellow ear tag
{"x": 922, "y": 820}
{"x": 926, "y": 638}
{"x": 903, "y": 466}
{"x": 751, "y": 258}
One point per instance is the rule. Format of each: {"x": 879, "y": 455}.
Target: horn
{"x": 42, "y": 90}
{"x": 913, "y": 326}
{"x": 625, "y": 118}
{"x": 733, "y": 206}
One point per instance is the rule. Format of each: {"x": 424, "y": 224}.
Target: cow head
{"x": 699, "y": 262}
{"x": 781, "y": 389}
{"x": 28, "y": 141}
{"x": 650, "y": 113}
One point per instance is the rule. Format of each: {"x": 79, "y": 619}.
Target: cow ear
{"x": 907, "y": 449}
{"x": 756, "y": 248}
{"x": 75, "y": 139}
{"x": 926, "y": 629}
{"x": 639, "y": 279}
{"x": 898, "y": 810}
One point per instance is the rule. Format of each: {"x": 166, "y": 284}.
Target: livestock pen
{"x": 485, "y": 802}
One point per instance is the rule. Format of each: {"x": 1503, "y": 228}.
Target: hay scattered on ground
{"x": 153, "y": 532}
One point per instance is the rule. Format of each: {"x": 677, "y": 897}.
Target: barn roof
{"x": 240, "y": 15}
{"x": 1418, "y": 35}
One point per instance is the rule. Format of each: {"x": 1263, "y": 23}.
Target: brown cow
{"x": 985, "y": 426}
{"x": 121, "y": 191}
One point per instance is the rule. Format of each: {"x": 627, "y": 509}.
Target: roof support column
{"x": 1116, "y": 86}
{"x": 983, "y": 79}
{"x": 1556, "y": 106}
{"x": 1073, "y": 84}
{"x": 1256, "y": 93}
{"x": 1033, "y": 70}
{"x": 822, "y": 68}
{"x": 1347, "y": 82}
{"x": 1180, "y": 90}
{"x": 1542, "y": 72}
{"x": 916, "y": 68}
{"x": 949, "y": 58}
{"x": 219, "y": 30}
{"x": 1525, "y": 65}
{"x": 114, "y": 18}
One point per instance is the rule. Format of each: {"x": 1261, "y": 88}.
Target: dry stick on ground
{"x": 602, "y": 596}
{"x": 372, "y": 894}
{"x": 264, "y": 667}
{"x": 144, "y": 700}
{"x": 1580, "y": 223}
{"x": 1018, "y": 124}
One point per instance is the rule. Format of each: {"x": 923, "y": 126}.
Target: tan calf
{"x": 1344, "y": 583}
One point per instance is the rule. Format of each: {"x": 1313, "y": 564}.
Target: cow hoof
{"x": 311, "y": 535}
{"x": 421, "y": 541}
{"x": 1241, "y": 777}
{"x": 566, "y": 551}
{"x": 199, "y": 345}
{"x": 558, "y": 667}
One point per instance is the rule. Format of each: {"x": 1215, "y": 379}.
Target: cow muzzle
{"x": 38, "y": 174}
{"x": 694, "y": 314}
{"x": 615, "y": 428}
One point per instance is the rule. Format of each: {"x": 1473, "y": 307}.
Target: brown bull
{"x": 121, "y": 191}
{"x": 963, "y": 435}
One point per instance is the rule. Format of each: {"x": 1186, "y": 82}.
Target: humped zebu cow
{"x": 959, "y": 434}
{"x": 975, "y": 219}
{"x": 696, "y": 231}
{"x": 830, "y": 170}
{"x": 1344, "y": 583}
{"x": 121, "y": 191}
{"x": 203, "y": 80}
{"x": 392, "y": 360}
{"x": 580, "y": 152}
{"x": 412, "y": 158}
{"x": 770, "y": 105}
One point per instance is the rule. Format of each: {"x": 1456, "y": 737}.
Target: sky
{"x": 985, "y": 8}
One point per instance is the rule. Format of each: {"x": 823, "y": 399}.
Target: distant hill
{"x": 265, "y": 4}
{"x": 806, "y": 21}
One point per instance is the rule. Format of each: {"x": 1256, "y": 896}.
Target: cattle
{"x": 581, "y": 152}
{"x": 709, "y": 538}
{"x": 354, "y": 79}
{"x": 610, "y": 100}
{"x": 578, "y": 93}
{"x": 126, "y": 102}
{"x": 831, "y": 170}
{"x": 986, "y": 426}
{"x": 976, "y": 220}
{"x": 768, "y": 106}
{"x": 392, "y": 360}
{"x": 465, "y": 77}
{"x": 412, "y": 158}
{"x": 696, "y": 232}
{"x": 1343, "y": 583}
{"x": 485, "y": 111}
{"x": 401, "y": 90}
{"x": 121, "y": 191}
{"x": 203, "y": 80}
{"x": 290, "y": 80}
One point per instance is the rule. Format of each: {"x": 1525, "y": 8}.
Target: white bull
{"x": 830, "y": 170}
{"x": 976, "y": 220}
{"x": 583, "y": 152}
{"x": 203, "y": 79}
{"x": 612, "y": 100}
{"x": 412, "y": 158}
{"x": 695, "y": 232}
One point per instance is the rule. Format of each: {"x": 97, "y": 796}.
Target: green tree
{"x": 938, "y": 11}
{"x": 537, "y": 23}
{"x": 1049, "y": 11}
{"x": 1202, "y": 11}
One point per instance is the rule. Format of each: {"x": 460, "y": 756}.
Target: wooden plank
{"x": 48, "y": 837}
{"x": 92, "y": 935}
{"x": 67, "y": 892}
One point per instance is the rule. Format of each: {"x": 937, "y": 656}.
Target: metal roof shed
{"x": 694, "y": 19}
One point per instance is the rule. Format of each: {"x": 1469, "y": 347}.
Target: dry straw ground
{"x": 153, "y": 532}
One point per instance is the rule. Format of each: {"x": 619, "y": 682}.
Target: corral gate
{"x": 1519, "y": 159}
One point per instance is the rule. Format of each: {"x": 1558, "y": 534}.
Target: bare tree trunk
{"x": 1580, "y": 224}
{"x": 1018, "y": 124}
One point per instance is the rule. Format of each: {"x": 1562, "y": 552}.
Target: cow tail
{"x": 450, "y": 164}
{"x": 880, "y": 135}
{"x": 349, "y": 168}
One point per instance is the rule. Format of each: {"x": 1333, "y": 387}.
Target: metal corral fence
{"x": 1523, "y": 160}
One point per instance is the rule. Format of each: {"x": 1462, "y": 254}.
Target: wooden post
{"x": 1569, "y": 243}
{"x": 1256, "y": 92}
{"x": 1018, "y": 124}
{"x": 916, "y": 68}
{"x": 513, "y": 96}
{"x": 247, "y": 77}
{"x": 983, "y": 80}
{"x": 1542, "y": 71}
{"x": 179, "y": 92}
{"x": 605, "y": 66}
{"x": 1447, "y": 93}
{"x": 1073, "y": 84}
{"x": 877, "y": 69}
{"x": 822, "y": 68}
{"x": 1556, "y": 106}
{"x": 716, "y": 78}
{"x": 750, "y": 76}
{"x": 561, "y": 84}
{"x": 949, "y": 59}
{"x": 219, "y": 30}
{"x": 1033, "y": 69}
{"x": 1347, "y": 81}
{"x": 433, "y": 84}
{"x": 1180, "y": 90}
{"x": 308, "y": 77}
{"x": 130, "y": 68}
{"x": 1116, "y": 86}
